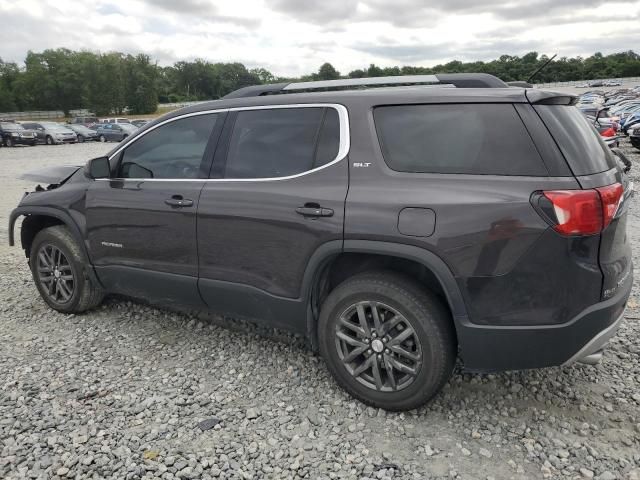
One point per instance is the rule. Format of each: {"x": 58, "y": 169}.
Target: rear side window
{"x": 486, "y": 139}
{"x": 578, "y": 140}
{"x": 281, "y": 142}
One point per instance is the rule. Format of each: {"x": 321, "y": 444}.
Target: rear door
{"x": 594, "y": 166}
{"x": 141, "y": 224}
{"x": 279, "y": 197}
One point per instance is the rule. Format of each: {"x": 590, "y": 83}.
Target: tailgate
{"x": 615, "y": 249}
{"x": 594, "y": 166}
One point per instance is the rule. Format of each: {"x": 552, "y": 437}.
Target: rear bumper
{"x": 591, "y": 353}
{"x": 491, "y": 348}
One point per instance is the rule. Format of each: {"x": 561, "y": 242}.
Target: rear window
{"x": 486, "y": 139}
{"x": 578, "y": 140}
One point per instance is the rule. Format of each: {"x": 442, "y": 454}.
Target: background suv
{"x": 354, "y": 218}
{"x": 12, "y": 134}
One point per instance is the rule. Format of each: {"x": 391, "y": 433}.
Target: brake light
{"x": 585, "y": 212}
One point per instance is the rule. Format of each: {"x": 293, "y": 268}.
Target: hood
{"x": 51, "y": 175}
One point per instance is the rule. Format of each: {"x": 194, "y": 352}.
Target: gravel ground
{"x": 131, "y": 391}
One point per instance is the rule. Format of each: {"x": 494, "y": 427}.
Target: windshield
{"x": 11, "y": 126}
{"x": 55, "y": 126}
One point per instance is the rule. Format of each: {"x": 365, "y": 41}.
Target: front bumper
{"x": 24, "y": 141}
{"x": 498, "y": 348}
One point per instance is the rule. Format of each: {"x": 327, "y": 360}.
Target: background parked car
{"x": 86, "y": 121}
{"x": 115, "y": 132}
{"x": 84, "y": 133}
{"x": 139, "y": 123}
{"x": 635, "y": 138}
{"x": 115, "y": 120}
{"x": 12, "y": 134}
{"x": 52, "y": 133}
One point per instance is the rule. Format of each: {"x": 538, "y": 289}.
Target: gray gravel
{"x": 130, "y": 391}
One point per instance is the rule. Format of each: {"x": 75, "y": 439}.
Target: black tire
{"x": 84, "y": 293}
{"x": 80, "y": 138}
{"x": 9, "y": 142}
{"x": 49, "y": 140}
{"x": 433, "y": 338}
{"x": 102, "y": 138}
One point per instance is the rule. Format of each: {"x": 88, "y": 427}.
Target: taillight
{"x": 583, "y": 212}
{"x": 612, "y": 196}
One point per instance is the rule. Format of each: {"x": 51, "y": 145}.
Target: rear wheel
{"x": 386, "y": 340}
{"x": 60, "y": 273}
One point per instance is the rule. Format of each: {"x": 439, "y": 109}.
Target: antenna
{"x": 540, "y": 69}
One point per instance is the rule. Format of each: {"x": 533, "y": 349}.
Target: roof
{"x": 415, "y": 89}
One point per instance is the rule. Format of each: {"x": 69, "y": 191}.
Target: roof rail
{"x": 459, "y": 80}
{"x": 257, "y": 90}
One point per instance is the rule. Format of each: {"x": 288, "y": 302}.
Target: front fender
{"x": 64, "y": 218}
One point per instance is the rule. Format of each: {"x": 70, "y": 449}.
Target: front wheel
{"x": 49, "y": 140}
{"x": 387, "y": 340}
{"x": 80, "y": 139}
{"x": 60, "y": 272}
{"x": 102, "y": 138}
{"x": 10, "y": 142}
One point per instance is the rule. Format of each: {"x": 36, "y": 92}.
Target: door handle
{"x": 178, "y": 202}
{"x": 314, "y": 212}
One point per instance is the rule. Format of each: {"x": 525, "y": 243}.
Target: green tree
{"x": 327, "y": 72}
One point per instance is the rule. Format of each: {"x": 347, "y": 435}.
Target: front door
{"x": 141, "y": 224}
{"x": 280, "y": 198}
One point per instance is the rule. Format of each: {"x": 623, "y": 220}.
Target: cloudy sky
{"x": 292, "y": 37}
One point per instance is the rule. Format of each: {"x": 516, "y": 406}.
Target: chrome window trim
{"x": 343, "y": 149}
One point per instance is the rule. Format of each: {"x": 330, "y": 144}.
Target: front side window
{"x": 171, "y": 151}
{"x": 274, "y": 143}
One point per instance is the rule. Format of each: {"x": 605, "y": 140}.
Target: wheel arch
{"x": 325, "y": 272}
{"x": 38, "y": 218}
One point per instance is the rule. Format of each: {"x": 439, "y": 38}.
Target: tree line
{"x": 106, "y": 83}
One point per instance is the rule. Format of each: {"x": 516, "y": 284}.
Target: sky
{"x": 294, "y": 37}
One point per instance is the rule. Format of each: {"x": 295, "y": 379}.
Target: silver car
{"x": 52, "y": 133}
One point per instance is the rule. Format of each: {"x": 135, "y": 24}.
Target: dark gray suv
{"x": 397, "y": 228}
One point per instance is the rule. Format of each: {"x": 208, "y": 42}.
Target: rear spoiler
{"x": 544, "y": 97}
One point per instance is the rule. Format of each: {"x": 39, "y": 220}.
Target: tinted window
{"x": 329, "y": 140}
{"x": 173, "y": 150}
{"x": 474, "y": 139}
{"x": 579, "y": 141}
{"x": 282, "y": 142}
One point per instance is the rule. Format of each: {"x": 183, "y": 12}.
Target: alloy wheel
{"x": 378, "y": 346}
{"x": 55, "y": 274}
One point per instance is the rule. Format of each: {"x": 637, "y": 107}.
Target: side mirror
{"x": 98, "y": 168}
